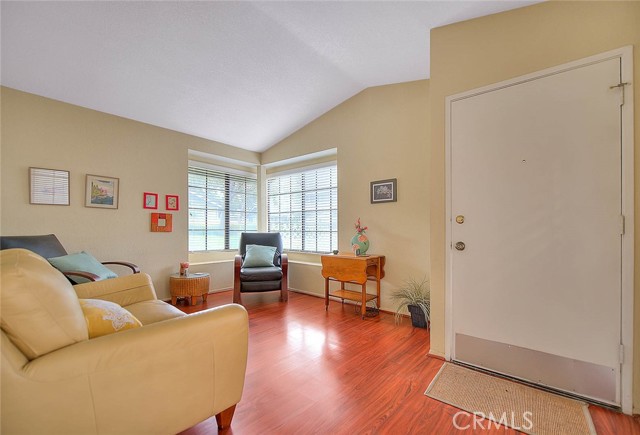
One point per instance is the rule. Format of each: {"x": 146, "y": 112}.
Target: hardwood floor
{"x": 313, "y": 372}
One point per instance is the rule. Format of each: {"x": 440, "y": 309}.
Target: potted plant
{"x": 415, "y": 296}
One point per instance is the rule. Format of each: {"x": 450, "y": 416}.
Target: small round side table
{"x": 190, "y": 285}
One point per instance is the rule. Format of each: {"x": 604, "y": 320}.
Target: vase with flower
{"x": 360, "y": 241}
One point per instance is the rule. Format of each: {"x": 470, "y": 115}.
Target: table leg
{"x": 363, "y": 308}
{"x": 174, "y": 300}
{"x": 326, "y": 294}
{"x": 378, "y": 282}
{"x": 204, "y": 297}
{"x": 193, "y": 300}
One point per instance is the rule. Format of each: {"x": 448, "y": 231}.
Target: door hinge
{"x": 621, "y": 355}
{"x": 622, "y": 224}
{"x": 622, "y": 87}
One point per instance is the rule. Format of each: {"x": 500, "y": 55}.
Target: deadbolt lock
{"x": 460, "y": 219}
{"x": 460, "y": 246}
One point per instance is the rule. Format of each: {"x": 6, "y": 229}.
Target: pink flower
{"x": 359, "y": 227}
{"x": 362, "y": 238}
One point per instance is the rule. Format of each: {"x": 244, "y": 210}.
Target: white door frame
{"x": 625, "y": 54}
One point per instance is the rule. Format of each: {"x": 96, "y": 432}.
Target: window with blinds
{"x": 49, "y": 186}
{"x": 303, "y": 207}
{"x": 221, "y": 206}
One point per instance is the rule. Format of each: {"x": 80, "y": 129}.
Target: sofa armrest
{"x": 128, "y": 376}
{"x": 124, "y": 290}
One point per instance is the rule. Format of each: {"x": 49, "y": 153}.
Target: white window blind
{"x": 49, "y": 186}
{"x": 303, "y": 207}
{"x": 221, "y": 206}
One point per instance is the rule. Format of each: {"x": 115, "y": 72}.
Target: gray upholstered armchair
{"x": 262, "y": 277}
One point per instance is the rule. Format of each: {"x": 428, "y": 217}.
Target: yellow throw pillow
{"x": 104, "y": 317}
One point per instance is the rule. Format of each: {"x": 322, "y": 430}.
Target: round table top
{"x": 190, "y": 275}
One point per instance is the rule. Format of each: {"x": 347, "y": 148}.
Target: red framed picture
{"x": 172, "y": 202}
{"x": 161, "y": 223}
{"x": 150, "y": 200}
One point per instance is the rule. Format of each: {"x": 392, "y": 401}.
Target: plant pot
{"x": 418, "y": 319}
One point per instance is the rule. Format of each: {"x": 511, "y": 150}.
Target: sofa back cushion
{"x": 40, "y": 312}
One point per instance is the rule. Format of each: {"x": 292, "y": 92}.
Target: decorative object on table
{"x": 384, "y": 191}
{"x": 150, "y": 200}
{"x": 335, "y": 252}
{"x": 172, "y": 202}
{"x": 360, "y": 241}
{"x": 48, "y": 186}
{"x": 184, "y": 268}
{"x": 101, "y": 191}
{"x": 416, "y": 297}
{"x": 161, "y": 222}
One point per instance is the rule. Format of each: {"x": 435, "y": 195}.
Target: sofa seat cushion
{"x": 104, "y": 317}
{"x": 40, "y": 309}
{"x": 260, "y": 274}
{"x": 153, "y": 311}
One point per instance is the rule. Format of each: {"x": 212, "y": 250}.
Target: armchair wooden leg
{"x": 224, "y": 418}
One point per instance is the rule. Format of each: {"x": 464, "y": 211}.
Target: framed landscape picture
{"x": 101, "y": 191}
{"x": 384, "y": 191}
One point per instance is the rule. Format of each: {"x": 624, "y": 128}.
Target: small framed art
{"x": 48, "y": 186}
{"x": 161, "y": 223}
{"x": 101, "y": 191}
{"x": 384, "y": 191}
{"x": 172, "y": 202}
{"x": 150, "y": 200}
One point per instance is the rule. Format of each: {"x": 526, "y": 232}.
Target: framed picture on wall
{"x": 172, "y": 202}
{"x": 384, "y": 191}
{"x": 48, "y": 186}
{"x": 101, "y": 191}
{"x": 161, "y": 222}
{"x": 150, "y": 200}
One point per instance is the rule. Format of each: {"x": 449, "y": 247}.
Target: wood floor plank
{"x": 315, "y": 372}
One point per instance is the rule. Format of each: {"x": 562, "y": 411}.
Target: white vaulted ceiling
{"x": 243, "y": 73}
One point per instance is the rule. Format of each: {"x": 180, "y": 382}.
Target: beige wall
{"x": 486, "y": 50}
{"x": 40, "y": 132}
{"x": 379, "y": 133}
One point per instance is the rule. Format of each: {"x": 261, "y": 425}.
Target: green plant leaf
{"x": 413, "y": 292}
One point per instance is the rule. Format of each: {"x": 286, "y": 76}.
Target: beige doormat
{"x": 518, "y": 406}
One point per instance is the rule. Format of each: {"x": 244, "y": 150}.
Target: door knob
{"x": 460, "y": 246}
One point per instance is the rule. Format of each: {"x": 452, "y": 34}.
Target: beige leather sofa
{"x": 159, "y": 378}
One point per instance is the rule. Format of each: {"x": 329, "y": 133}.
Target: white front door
{"x": 536, "y": 197}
